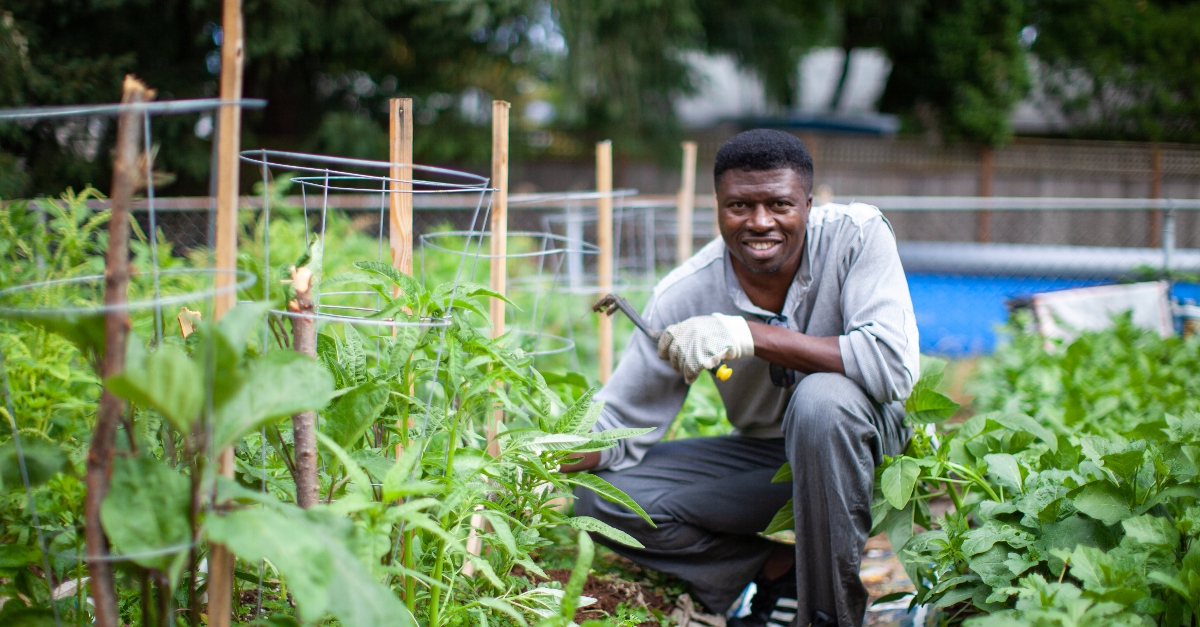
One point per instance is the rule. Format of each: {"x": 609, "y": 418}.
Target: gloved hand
{"x": 701, "y": 342}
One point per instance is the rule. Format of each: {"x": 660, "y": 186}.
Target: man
{"x": 810, "y": 308}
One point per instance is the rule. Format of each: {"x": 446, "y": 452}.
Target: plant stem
{"x": 304, "y": 424}
{"x": 410, "y": 583}
{"x": 435, "y": 592}
{"x": 116, "y": 332}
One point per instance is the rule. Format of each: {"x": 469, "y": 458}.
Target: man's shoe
{"x": 773, "y": 605}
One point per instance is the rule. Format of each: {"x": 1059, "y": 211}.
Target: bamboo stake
{"x": 116, "y": 332}
{"x": 229, "y": 139}
{"x": 685, "y": 203}
{"x": 983, "y": 219}
{"x": 604, "y": 239}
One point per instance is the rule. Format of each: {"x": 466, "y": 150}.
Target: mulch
{"x": 609, "y": 592}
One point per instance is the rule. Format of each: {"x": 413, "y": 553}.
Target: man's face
{"x": 763, "y": 215}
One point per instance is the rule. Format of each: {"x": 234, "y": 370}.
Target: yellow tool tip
{"x": 724, "y": 372}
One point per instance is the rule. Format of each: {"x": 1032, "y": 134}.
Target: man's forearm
{"x": 795, "y": 350}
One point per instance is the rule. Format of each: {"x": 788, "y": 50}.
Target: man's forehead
{"x": 777, "y": 181}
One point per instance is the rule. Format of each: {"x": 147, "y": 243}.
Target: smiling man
{"x": 810, "y": 308}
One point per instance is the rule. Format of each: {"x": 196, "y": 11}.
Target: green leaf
{"x": 1125, "y": 464}
{"x": 401, "y": 472}
{"x": 612, "y": 435}
{"x": 1152, "y": 530}
{"x": 322, "y": 573}
{"x": 1006, "y": 470}
{"x": 168, "y": 381}
{"x": 43, "y": 460}
{"x": 349, "y": 417}
{"x": 355, "y": 358}
{"x": 587, "y": 523}
{"x": 926, "y": 405}
{"x": 277, "y": 385}
{"x": 1104, "y": 502}
{"x": 784, "y": 474}
{"x": 609, "y": 492}
{"x": 411, "y": 287}
{"x": 574, "y": 587}
{"x": 898, "y": 481}
{"x": 580, "y": 417}
{"x": 1022, "y": 422}
{"x": 237, "y": 325}
{"x": 146, "y": 511}
{"x": 783, "y": 519}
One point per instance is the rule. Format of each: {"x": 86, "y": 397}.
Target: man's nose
{"x": 760, "y": 219}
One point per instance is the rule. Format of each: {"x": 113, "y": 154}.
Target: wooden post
{"x": 116, "y": 331}
{"x": 400, "y": 204}
{"x": 1156, "y": 214}
{"x": 499, "y": 280}
{"x": 229, "y": 139}
{"x": 983, "y": 219}
{"x": 400, "y": 221}
{"x": 685, "y": 203}
{"x": 604, "y": 239}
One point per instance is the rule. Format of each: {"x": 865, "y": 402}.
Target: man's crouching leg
{"x": 708, "y": 497}
{"x": 836, "y": 435}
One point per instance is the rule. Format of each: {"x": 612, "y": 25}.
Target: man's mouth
{"x": 761, "y": 246}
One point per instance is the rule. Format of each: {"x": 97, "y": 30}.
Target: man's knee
{"x": 825, "y": 404}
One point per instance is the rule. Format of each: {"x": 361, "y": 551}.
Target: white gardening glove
{"x": 701, "y": 342}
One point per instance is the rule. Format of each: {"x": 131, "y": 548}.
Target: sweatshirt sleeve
{"x": 879, "y": 345}
{"x": 644, "y": 391}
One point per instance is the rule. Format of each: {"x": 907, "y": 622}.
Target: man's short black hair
{"x": 764, "y": 149}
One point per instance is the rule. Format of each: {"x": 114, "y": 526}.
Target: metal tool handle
{"x": 610, "y": 303}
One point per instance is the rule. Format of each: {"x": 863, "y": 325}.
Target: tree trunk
{"x": 304, "y": 424}
{"x": 116, "y": 331}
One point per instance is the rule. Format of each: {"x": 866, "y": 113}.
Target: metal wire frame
{"x": 147, "y": 110}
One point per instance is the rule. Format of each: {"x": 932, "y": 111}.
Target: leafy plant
{"x": 1094, "y": 490}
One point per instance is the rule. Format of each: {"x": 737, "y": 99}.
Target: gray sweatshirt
{"x": 850, "y": 285}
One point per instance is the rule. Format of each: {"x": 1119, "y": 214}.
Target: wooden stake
{"x": 229, "y": 140}
{"x": 112, "y": 362}
{"x": 685, "y": 203}
{"x": 499, "y": 211}
{"x": 400, "y": 218}
{"x": 604, "y": 239}
{"x": 499, "y": 278}
{"x": 1156, "y": 215}
{"x": 983, "y": 219}
{"x": 400, "y": 223}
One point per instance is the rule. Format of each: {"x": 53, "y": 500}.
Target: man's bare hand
{"x": 588, "y": 462}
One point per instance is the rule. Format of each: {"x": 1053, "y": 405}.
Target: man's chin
{"x": 770, "y": 267}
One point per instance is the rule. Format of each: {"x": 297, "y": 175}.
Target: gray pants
{"x": 711, "y": 496}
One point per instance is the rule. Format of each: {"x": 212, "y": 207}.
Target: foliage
{"x": 1080, "y": 471}
{"x": 1121, "y": 69}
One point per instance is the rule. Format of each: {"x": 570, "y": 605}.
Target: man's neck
{"x": 768, "y": 291}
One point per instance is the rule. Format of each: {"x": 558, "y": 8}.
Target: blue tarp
{"x": 958, "y": 315}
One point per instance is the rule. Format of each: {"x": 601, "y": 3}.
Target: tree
{"x": 1122, "y": 69}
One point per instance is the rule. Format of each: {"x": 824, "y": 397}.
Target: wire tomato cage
{"x": 73, "y": 306}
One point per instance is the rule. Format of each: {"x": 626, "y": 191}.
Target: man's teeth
{"x": 761, "y": 245}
